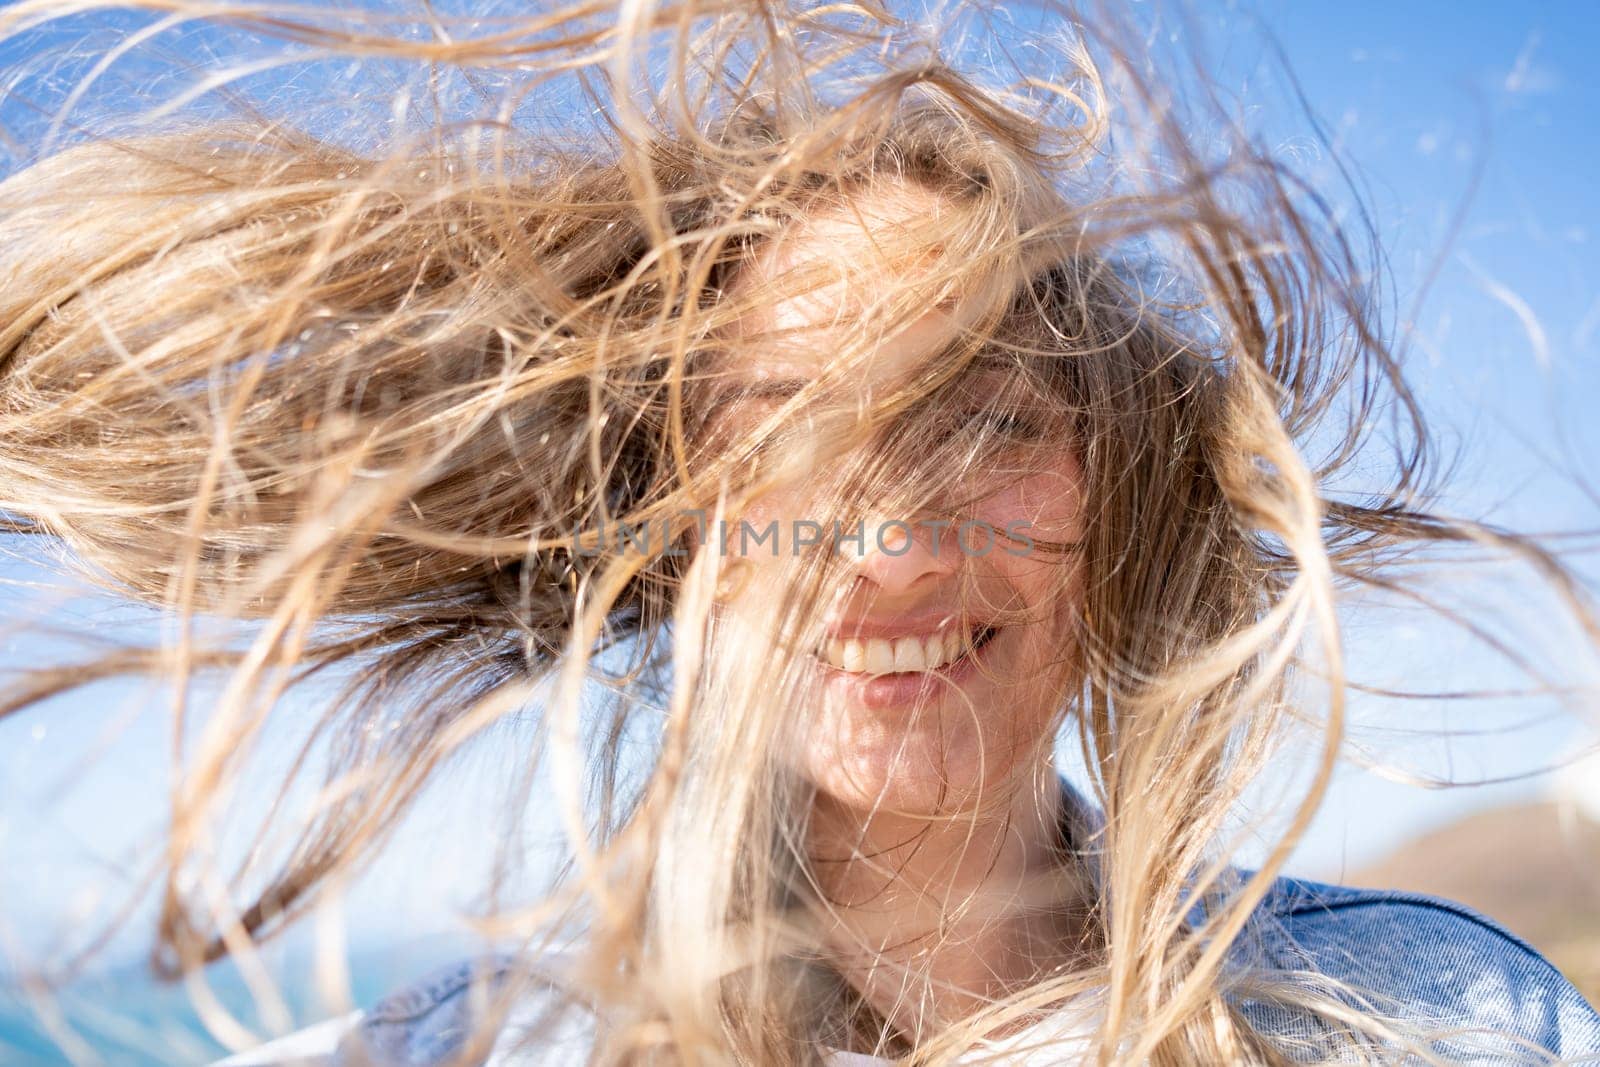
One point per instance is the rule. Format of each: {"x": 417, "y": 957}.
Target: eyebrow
{"x": 762, "y": 389}
{"x": 775, "y": 388}
{"x": 786, "y": 388}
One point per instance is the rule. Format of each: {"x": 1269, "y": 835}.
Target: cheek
{"x": 752, "y": 548}
{"x": 1047, "y": 508}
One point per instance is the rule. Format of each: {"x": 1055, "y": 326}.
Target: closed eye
{"x": 1017, "y": 425}
{"x": 1013, "y": 425}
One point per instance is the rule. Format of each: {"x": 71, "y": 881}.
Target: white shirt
{"x": 1056, "y": 1040}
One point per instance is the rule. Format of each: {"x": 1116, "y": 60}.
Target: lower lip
{"x": 881, "y": 691}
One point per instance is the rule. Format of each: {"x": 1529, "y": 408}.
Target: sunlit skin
{"x": 950, "y": 791}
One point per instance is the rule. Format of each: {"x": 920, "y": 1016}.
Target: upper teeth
{"x": 880, "y": 655}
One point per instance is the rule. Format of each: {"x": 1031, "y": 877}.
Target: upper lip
{"x": 919, "y": 625}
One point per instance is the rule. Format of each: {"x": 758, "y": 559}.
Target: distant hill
{"x": 1528, "y": 866}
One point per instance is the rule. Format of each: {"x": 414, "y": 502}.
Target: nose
{"x": 896, "y": 555}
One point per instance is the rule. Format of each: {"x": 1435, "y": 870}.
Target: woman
{"x": 864, "y": 437}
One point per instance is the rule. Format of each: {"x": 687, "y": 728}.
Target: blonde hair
{"x": 359, "y": 396}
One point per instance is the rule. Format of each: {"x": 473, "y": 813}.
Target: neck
{"x": 931, "y": 917}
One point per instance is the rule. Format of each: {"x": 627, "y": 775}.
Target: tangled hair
{"x": 362, "y": 403}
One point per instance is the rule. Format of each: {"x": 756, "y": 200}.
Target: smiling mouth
{"x": 901, "y": 655}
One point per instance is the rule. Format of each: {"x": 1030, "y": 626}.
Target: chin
{"x": 929, "y": 773}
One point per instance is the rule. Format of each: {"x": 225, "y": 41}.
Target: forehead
{"x": 856, "y": 286}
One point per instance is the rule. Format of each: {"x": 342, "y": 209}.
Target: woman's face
{"x": 945, "y": 664}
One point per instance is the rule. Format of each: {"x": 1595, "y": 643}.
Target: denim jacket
{"x": 1430, "y": 958}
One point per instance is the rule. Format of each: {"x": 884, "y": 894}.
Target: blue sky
{"x": 1419, "y": 97}
{"x": 1425, "y": 99}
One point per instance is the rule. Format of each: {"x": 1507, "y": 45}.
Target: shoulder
{"x": 1425, "y": 937}
{"x": 426, "y": 1021}
{"x": 436, "y": 1020}
{"x": 1430, "y": 955}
